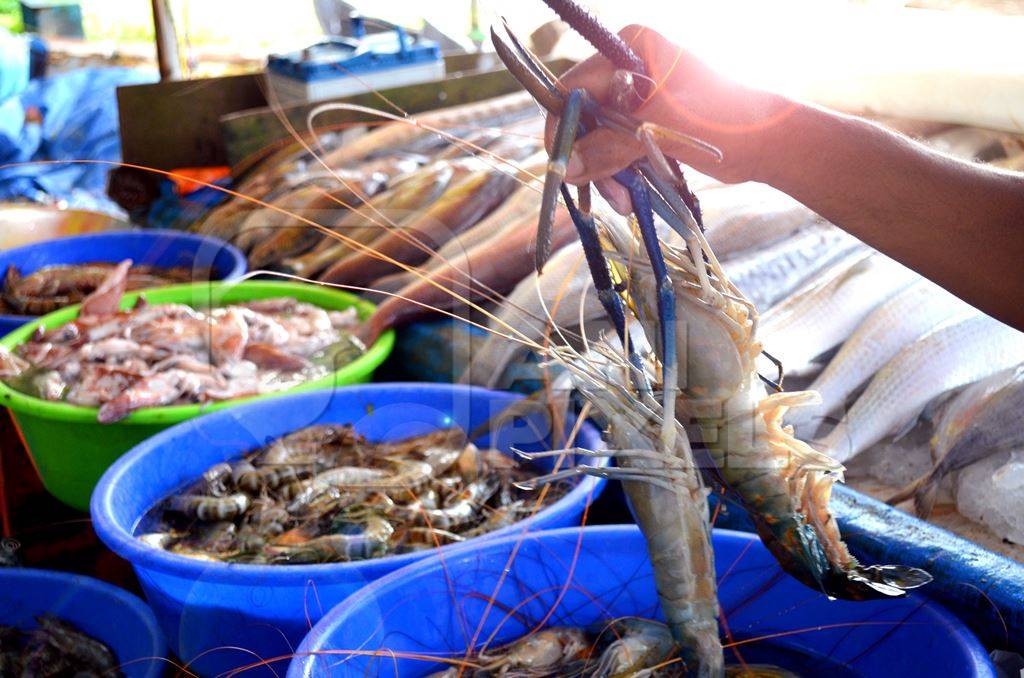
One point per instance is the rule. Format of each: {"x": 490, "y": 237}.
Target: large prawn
{"x": 703, "y": 334}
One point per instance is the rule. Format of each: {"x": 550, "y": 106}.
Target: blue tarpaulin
{"x": 79, "y": 122}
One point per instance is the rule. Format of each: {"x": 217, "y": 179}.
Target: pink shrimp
{"x": 105, "y": 300}
{"x": 153, "y": 391}
{"x": 229, "y": 335}
{"x": 269, "y": 357}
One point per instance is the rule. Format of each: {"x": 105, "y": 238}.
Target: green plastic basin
{"x": 71, "y": 450}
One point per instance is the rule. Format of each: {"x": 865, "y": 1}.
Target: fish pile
{"x": 622, "y": 647}
{"x": 325, "y": 494}
{"x": 154, "y": 355}
{"x": 52, "y": 287}
{"x": 54, "y": 648}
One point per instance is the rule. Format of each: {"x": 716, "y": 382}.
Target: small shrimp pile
{"x": 155, "y": 355}
{"x": 54, "y": 287}
{"x": 325, "y": 494}
{"x": 54, "y": 648}
{"x": 623, "y": 647}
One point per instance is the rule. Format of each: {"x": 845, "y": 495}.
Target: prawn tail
{"x": 802, "y": 555}
{"x": 795, "y": 523}
{"x": 882, "y": 581}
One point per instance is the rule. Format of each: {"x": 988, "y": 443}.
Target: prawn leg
{"x": 640, "y": 198}
{"x": 565, "y": 135}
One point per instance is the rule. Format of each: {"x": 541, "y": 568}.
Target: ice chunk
{"x": 900, "y": 462}
{"x": 991, "y": 492}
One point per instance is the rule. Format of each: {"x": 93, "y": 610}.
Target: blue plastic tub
{"x": 105, "y": 612}
{"x": 213, "y": 258}
{"x": 580, "y": 577}
{"x": 205, "y": 608}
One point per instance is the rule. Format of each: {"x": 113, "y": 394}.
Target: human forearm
{"x": 957, "y": 223}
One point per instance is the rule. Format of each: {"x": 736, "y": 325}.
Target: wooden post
{"x": 166, "y": 41}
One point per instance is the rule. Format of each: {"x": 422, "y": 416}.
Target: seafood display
{"x": 425, "y": 214}
{"x": 154, "y": 355}
{"x": 325, "y": 494}
{"x": 822, "y": 314}
{"x": 953, "y": 355}
{"x": 899, "y": 321}
{"x": 875, "y": 340}
{"x": 53, "y": 287}
{"x": 428, "y": 236}
{"x": 721, "y": 350}
{"x": 54, "y": 648}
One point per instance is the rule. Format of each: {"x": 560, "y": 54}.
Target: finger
{"x": 592, "y": 74}
{"x": 600, "y": 154}
{"x": 616, "y": 195}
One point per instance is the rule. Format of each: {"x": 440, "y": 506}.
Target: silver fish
{"x": 982, "y": 420}
{"x": 957, "y": 353}
{"x": 826, "y": 310}
{"x": 913, "y": 312}
{"x": 767, "y": 275}
{"x": 750, "y": 216}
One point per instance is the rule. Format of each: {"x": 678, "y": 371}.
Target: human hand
{"x": 688, "y": 97}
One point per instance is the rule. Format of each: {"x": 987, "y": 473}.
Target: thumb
{"x": 600, "y": 154}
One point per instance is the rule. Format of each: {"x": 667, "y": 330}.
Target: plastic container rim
{"x": 22, "y": 402}
{"x": 129, "y": 600}
{"x": 327, "y": 624}
{"x": 237, "y": 269}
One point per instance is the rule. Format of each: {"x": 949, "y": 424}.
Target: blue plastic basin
{"x": 206, "y": 608}
{"x": 578, "y": 577}
{"x": 213, "y": 258}
{"x": 105, "y": 612}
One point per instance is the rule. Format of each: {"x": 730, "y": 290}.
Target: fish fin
{"x": 929, "y": 413}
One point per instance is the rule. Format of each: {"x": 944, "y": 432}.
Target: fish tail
{"x": 924, "y": 498}
{"x": 923, "y": 491}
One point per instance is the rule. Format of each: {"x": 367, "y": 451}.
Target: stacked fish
{"x": 429, "y": 214}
